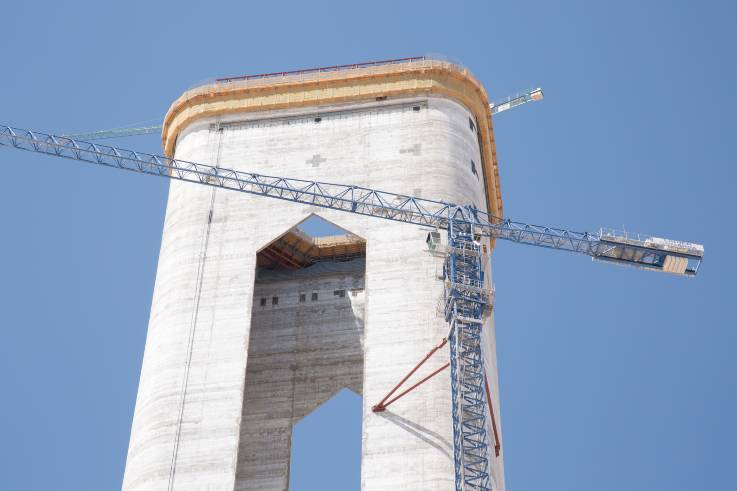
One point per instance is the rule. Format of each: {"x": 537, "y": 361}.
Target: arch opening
{"x": 326, "y": 446}
{"x": 305, "y": 344}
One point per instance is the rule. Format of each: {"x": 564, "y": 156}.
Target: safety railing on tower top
{"x": 381, "y": 66}
{"x": 334, "y": 68}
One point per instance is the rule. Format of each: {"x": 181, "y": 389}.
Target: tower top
{"x": 361, "y": 82}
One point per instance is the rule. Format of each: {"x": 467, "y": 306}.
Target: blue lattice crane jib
{"x": 652, "y": 253}
{"x": 467, "y": 299}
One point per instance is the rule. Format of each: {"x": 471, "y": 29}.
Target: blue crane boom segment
{"x": 529, "y": 95}
{"x": 467, "y": 301}
{"x": 116, "y": 133}
{"x": 650, "y": 253}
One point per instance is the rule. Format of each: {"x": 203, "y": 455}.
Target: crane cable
{"x": 195, "y": 313}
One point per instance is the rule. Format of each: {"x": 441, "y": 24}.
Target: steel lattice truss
{"x": 116, "y": 133}
{"x": 465, "y": 303}
{"x": 529, "y": 95}
{"x": 467, "y": 298}
{"x": 356, "y": 199}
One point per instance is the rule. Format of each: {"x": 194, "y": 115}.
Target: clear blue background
{"x": 611, "y": 378}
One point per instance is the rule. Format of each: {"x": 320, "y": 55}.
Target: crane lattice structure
{"x": 467, "y": 298}
{"x": 117, "y": 132}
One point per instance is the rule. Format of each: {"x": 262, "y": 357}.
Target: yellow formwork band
{"x": 426, "y": 77}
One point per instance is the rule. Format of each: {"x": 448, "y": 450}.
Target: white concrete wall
{"x": 188, "y": 418}
{"x": 300, "y": 354}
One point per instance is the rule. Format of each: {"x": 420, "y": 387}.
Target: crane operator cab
{"x": 433, "y": 240}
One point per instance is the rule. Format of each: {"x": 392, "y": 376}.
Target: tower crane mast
{"x": 467, "y": 298}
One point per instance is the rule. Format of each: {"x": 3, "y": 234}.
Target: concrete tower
{"x": 254, "y": 324}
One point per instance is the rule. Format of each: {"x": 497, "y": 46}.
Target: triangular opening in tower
{"x": 312, "y": 241}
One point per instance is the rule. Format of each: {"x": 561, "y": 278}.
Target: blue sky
{"x": 611, "y": 378}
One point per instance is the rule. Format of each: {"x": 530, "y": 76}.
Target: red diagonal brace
{"x": 383, "y": 404}
{"x": 497, "y": 445}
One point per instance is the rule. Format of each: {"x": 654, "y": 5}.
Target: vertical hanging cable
{"x": 195, "y": 313}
